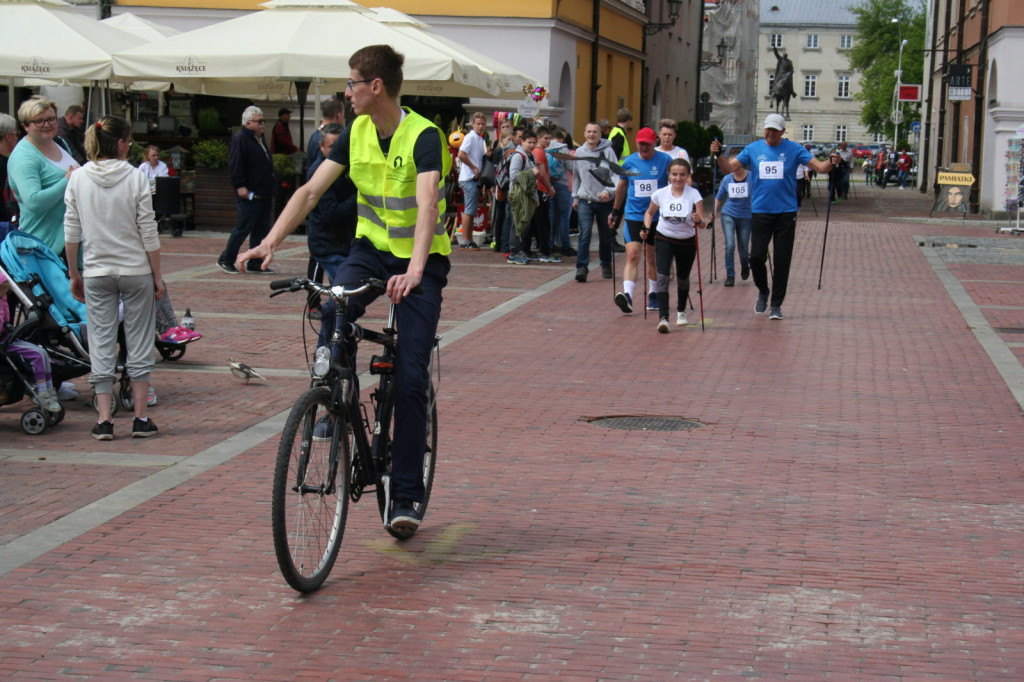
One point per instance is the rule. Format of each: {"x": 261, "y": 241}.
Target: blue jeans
{"x": 730, "y": 226}
{"x": 418, "y": 315}
{"x": 589, "y": 211}
{"x": 330, "y": 263}
{"x": 254, "y": 220}
{"x": 560, "y": 209}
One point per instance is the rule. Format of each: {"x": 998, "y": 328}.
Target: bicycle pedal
{"x": 382, "y": 364}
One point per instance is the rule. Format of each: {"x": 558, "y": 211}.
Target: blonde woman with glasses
{"x": 38, "y": 173}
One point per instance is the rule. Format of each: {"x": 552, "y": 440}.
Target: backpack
{"x": 556, "y": 169}
{"x": 504, "y": 173}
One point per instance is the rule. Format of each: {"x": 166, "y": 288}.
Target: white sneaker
{"x": 48, "y": 401}
{"x": 663, "y": 326}
{"x": 67, "y": 391}
{"x": 681, "y": 319}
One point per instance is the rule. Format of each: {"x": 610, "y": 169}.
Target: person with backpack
{"x": 560, "y": 206}
{"x": 502, "y": 214}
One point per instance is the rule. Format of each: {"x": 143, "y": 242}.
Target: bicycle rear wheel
{"x": 311, "y": 490}
{"x": 429, "y": 465}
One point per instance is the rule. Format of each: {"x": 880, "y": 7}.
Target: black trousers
{"x": 778, "y": 230}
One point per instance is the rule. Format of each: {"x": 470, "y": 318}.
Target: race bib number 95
{"x": 770, "y": 170}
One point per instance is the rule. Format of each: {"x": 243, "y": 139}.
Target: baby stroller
{"x": 16, "y": 379}
{"x": 62, "y": 330}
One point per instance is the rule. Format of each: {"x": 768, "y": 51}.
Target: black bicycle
{"x": 335, "y": 447}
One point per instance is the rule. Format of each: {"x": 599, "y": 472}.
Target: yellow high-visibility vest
{"x": 386, "y": 198}
{"x": 619, "y": 132}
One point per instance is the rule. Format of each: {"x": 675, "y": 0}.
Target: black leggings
{"x": 682, "y": 251}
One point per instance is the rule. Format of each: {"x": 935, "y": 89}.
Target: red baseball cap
{"x": 646, "y": 135}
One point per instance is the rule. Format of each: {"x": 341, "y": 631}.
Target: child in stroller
{"x": 41, "y": 390}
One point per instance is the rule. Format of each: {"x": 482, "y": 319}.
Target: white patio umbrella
{"x": 149, "y": 31}
{"x": 46, "y": 40}
{"x": 299, "y": 40}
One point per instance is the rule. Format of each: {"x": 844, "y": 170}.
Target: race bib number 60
{"x": 770, "y": 170}
{"x": 675, "y": 209}
{"x": 644, "y": 187}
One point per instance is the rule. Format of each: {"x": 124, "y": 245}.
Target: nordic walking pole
{"x": 643, "y": 254}
{"x": 828, "y": 213}
{"x": 700, "y": 284}
{"x": 711, "y": 226}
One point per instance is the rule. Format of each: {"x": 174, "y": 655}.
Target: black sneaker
{"x": 143, "y": 429}
{"x": 624, "y": 301}
{"x": 730, "y": 281}
{"x": 744, "y": 272}
{"x": 581, "y": 274}
{"x": 259, "y": 271}
{"x": 404, "y": 516}
{"x": 228, "y": 268}
{"x": 606, "y": 271}
{"x": 568, "y": 252}
{"x": 103, "y": 431}
{"x": 776, "y": 313}
{"x": 762, "y": 304}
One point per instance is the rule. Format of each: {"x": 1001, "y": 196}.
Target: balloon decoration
{"x": 535, "y": 93}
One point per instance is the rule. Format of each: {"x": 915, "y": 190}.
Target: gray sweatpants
{"x": 101, "y": 298}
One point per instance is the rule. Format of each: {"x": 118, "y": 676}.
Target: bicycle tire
{"x": 308, "y": 522}
{"x": 429, "y": 465}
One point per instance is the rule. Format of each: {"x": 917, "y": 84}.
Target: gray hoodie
{"x": 584, "y": 185}
{"x": 110, "y": 211}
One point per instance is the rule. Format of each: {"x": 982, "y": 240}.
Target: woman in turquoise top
{"x": 38, "y": 172}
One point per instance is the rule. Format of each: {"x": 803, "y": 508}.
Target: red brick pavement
{"x": 849, "y": 508}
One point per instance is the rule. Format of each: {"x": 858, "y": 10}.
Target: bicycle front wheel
{"x": 311, "y": 488}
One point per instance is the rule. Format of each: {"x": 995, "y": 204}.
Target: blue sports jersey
{"x": 772, "y": 174}
{"x": 735, "y": 196}
{"x": 653, "y": 176}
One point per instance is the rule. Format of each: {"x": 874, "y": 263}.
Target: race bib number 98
{"x": 770, "y": 170}
{"x": 738, "y": 190}
{"x": 644, "y": 187}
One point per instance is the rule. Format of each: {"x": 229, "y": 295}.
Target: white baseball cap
{"x": 775, "y": 121}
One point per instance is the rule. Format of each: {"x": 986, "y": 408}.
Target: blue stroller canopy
{"x": 25, "y": 255}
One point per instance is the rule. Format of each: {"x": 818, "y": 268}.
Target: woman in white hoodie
{"x": 110, "y": 213}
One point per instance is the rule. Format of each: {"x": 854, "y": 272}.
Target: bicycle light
{"x": 321, "y": 362}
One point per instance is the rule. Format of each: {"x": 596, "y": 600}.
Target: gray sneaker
{"x": 624, "y": 301}
{"x": 776, "y": 313}
{"x": 762, "y": 304}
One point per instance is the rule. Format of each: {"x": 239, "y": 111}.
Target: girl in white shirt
{"x": 681, "y": 214}
{"x": 110, "y": 217}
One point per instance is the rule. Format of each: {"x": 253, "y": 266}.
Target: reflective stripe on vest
{"x": 616, "y": 132}
{"x": 386, "y": 205}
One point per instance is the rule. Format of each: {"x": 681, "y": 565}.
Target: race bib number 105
{"x": 770, "y": 170}
{"x": 738, "y": 190}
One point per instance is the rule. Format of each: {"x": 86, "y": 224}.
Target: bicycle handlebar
{"x": 377, "y": 286}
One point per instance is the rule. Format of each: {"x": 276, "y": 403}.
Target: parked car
{"x": 861, "y": 151}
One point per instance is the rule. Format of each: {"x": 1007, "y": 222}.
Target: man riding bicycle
{"x": 395, "y": 159}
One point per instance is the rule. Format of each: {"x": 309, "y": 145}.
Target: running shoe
{"x": 624, "y": 301}
{"x": 663, "y": 326}
{"x": 681, "y": 319}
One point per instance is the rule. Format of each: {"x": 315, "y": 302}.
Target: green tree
{"x": 881, "y": 25}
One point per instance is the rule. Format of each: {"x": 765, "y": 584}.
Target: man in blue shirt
{"x": 772, "y": 164}
{"x": 632, "y": 198}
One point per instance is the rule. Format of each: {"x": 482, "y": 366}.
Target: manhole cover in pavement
{"x": 641, "y": 423}
{"x": 977, "y": 250}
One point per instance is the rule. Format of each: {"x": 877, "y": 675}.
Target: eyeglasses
{"x": 43, "y": 122}
{"x": 257, "y": 121}
{"x": 348, "y": 86}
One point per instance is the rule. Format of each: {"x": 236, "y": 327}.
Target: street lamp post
{"x": 897, "y": 105}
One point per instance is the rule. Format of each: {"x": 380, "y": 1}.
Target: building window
{"x": 879, "y": 137}
{"x": 807, "y": 132}
{"x": 841, "y": 134}
{"x": 810, "y": 86}
{"x": 845, "y": 42}
{"x": 771, "y": 83}
{"x": 812, "y": 41}
{"x": 776, "y": 40}
{"x": 844, "y": 87}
